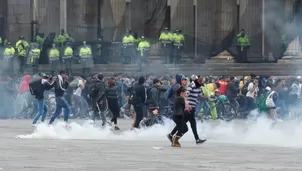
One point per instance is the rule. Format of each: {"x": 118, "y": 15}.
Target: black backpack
{"x": 34, "y": 84}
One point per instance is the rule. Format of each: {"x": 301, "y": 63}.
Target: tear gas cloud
{"x": 256, "y": 132}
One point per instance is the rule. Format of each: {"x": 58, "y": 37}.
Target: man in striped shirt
{"x": 195, "y": 92}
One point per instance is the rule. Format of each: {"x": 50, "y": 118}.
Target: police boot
{"x": 175, "y": 141}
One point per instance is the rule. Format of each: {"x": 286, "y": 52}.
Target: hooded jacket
{"x": 24, "y": 86}
{"x": 176, "y": 86}
{"x": 140, "y": 91}
{"x": 61, "y": 86}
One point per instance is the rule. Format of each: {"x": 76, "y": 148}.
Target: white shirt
{"x": 78, "y": 91}
{"x": 253, "y": 93}
{"x": 299, "y": 90}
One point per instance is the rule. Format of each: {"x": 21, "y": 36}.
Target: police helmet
{"x": 21, "y": 37}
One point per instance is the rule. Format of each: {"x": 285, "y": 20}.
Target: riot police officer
{"x": 34, "y": 56}
{"x": 8, "y": 55}
{"x": 85, "y": 58}
{"x": 143, "y": 50}
{"x": 67, "y": 58}
{"x": 128, "y": 47}
{"x": 178, "y": 43}
{"x": 166, "y": 38}
{"x": 54, "y": 59}
{"x": 22, "y": 47}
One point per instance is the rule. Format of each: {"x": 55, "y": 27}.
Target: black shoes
{"x": 199, "y": 141}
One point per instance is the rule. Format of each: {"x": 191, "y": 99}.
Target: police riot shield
{"x": 54, "y": 58}
{"x": 33, "y": 55}
{"x": 67, "y": 56}
{"x": 85, "y": 54}
{"x": 129, "y": 49}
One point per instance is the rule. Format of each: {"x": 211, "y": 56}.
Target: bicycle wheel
{"x": 227, "y": 112}
{"x": 159, "y": 119}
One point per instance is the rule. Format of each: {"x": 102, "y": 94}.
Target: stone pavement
{"x": 105, "y": 155}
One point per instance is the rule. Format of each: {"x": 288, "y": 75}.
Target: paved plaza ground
{"x": 18, "y": 154}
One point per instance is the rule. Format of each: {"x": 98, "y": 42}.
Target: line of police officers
{"x": 137, "y": 49}
{"x": 61, "y": 55}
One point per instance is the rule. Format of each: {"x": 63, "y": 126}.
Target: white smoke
{"x": 260, "y": 132}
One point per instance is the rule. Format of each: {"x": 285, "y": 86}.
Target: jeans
{"x": 61, "y": 103}
{"x": 202, "y": 104}
{"x": 82, "y": 103}
{"x": 42, "y": 110}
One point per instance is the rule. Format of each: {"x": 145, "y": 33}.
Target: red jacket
{"x": 223, "y": 86}
{"x": 24, "y": 86}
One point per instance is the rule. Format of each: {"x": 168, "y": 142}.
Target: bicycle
{"x": 157, "y": 118}
{"x": 225, "y": 110}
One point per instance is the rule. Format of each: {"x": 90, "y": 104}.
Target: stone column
{"x": 63, "y": 15}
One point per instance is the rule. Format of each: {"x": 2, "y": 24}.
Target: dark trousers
{"x": 242, "y": 53}
{"x": 114, "y": 108}
{"x": 139, "y": 110}
{"x": 181, "y": 127}
{"x": 189, "y": 116}
{"x": 22, "y": 62}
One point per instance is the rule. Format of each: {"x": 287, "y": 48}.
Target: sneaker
{"x": 170, "y": 137}
{"x": 280, "y": 120}
{"x": 34, "y": 125}
{"x": 199, "y": 141}
{"x": 116, "y": 128}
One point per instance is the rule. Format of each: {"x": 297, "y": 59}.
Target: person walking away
{"x": 178, "y": 45}
{"x": 153, "y": 94}
{"x": 138, "y": 100}
{"x": 194, "y": 90}
{"x": 111, "y": 96}
{"x": 61, "y": 85}
{"x": 34, "y": 56}
{"x": 166, "y": 38}
{"x": 22, "y": 47}
{"x": 86, "y": 58}
{"x": 95, "y": 89}
{"x": 243, "y": 44}
{"x": 54, "y": 59}
{"x": 267, "y": 104}
{"x": 9, "y": 53}
{"x": 37, "y": 86}
{"x": 179, "y": 118}
{"x": 77, "y": 96}
{"x": 128, "y": 47}
{"x": 67, "y": 58}
{"x": 143, "y": 49}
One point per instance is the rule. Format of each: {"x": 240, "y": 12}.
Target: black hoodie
{"x": 140, "y": 91}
